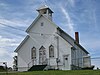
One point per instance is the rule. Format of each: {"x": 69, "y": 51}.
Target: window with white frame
{"x": 51, "y": 51}
{"x": 33, "y": 53}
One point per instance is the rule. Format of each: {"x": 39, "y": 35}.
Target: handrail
{"x": 31, "y": 62}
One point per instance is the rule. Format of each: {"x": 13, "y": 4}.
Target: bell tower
{"x": 46, "y": 11}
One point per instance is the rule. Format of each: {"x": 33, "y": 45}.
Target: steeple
{"x": 45, "y": 10}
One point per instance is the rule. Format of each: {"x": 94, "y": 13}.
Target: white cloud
{"x": 6, "y": 39}
{"x": 3, "y": 4}
{"x": 69, "y": 21}
{"x": 6, "y": 42}
{"x": 91, "y": 43}
{"x": 72, "y": 2}
{"x": 93, "y": 19}
{"x": 7, "y": 55}
{"x": 3, "y": 52}
{"x": 96, "y": 63}
{"x": 14, "y": 22}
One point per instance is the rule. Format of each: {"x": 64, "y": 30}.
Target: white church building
{"x": 47, "y": 46}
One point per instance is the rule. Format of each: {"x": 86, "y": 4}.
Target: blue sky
{"x": 71, "y": 15}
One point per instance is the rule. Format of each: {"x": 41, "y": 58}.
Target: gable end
{"x": 26, "y": 38}
{"x": 27, "y": 30}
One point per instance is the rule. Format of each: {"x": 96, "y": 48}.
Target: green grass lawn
{"x": 76, "y": 72}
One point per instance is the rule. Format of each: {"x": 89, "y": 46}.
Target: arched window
{"x": 33, "y": 53}
{"x": 51, "y": 51}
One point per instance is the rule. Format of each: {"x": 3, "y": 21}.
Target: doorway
{"x": 42, "y": 56}
{"x": 65, "y": 62}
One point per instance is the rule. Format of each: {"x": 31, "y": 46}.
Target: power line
{"x": 11, "y": 26}
{"x": 23, "y": 30}
{"x": 17, "y": 34}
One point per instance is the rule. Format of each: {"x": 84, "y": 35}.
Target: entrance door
{"x": 42, "y": 56}
{"x": 66, "y": 63}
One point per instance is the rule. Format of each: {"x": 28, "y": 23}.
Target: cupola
{"x": 46, "y": 11}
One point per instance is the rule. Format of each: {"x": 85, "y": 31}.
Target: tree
{"x": 15, "y": 63}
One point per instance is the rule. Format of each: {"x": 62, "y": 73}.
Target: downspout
{"x": 57, "y": 60}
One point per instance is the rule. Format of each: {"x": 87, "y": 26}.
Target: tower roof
{"x": 44, "y": 7}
